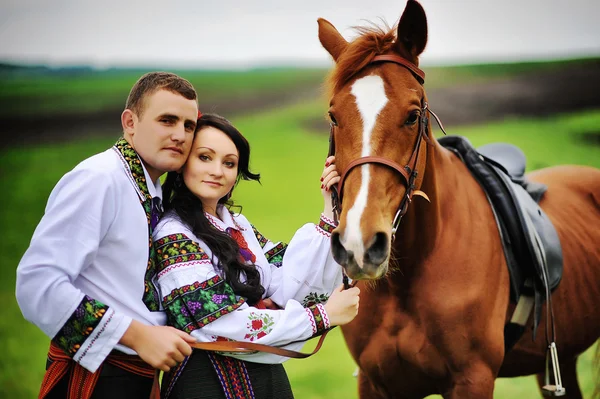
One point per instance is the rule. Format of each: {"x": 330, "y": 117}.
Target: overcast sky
{"x": 247, "y": 33}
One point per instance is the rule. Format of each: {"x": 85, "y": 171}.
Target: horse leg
{"x": 568, "y": 373}
{"x": 475, "y": 383}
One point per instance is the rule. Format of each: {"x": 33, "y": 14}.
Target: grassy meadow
{"x": 290, "y": 159}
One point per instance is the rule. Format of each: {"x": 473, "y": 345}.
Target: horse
{"x": 435, "y": 287}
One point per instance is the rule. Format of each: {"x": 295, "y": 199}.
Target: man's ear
{"x": 128, "y": 122}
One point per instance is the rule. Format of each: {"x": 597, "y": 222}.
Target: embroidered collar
{"x": 136, "y": 171}
{"x": 224, "y": 221}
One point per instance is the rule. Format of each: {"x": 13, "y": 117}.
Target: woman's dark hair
{"x": 190, "y": 211}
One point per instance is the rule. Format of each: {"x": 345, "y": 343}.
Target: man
{"x": 87, "y": 278}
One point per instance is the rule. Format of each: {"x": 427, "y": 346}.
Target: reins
{"x": 252, "y": 347}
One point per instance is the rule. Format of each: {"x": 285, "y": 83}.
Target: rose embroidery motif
{"x": 258, "y": 326}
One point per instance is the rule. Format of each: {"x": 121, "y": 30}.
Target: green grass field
{"x": 290, "y": 161}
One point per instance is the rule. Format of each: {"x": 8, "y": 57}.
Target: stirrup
{"x": 557, "y": 389}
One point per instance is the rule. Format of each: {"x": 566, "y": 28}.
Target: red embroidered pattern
{"x": 245, "y": 254}
{"x": 319, "y": 320}
{"x": 259, "y": 325}
{"x": 326, "y": 225}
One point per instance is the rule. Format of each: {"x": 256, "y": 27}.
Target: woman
{"x": 217, "y": 274}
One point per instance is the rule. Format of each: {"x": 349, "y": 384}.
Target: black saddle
{"x": 531, "y": 245}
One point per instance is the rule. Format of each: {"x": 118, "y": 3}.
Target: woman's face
{"x": 211, "y": 169}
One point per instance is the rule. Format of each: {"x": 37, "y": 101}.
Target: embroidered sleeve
{"x": 289, "y": 328}
{"x": 82, "y": 322}
{"x": 262, "y": 240}
{"x": 308, "y": 273}
{"x": 326, "y": 225}
{"x": 177, "y": 250}
{"x": 191, "y": 301}
{"x": 318, "y": 318}
{"x": 274, "y": 252}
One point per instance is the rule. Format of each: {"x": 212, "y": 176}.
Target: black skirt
{"x": 198, "y": 379}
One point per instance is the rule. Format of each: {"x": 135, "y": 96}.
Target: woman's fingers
{"x": 328, "y": 169}
{"x": 331, "y": 180}
{"x": 330, "y": 175}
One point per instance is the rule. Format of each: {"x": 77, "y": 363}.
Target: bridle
{"x": 409, "y": 171}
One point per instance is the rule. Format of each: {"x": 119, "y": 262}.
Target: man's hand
{"x": 161, "y": 347}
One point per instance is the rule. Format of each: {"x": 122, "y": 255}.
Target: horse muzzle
{"x": 360, "y": 263}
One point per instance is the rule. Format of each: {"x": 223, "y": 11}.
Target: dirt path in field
{"x": 569, "y": 88}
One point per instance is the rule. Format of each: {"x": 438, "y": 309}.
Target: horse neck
{"x": 446, "y": 185}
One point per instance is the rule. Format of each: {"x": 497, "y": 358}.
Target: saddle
{"x": 531, "y": 244}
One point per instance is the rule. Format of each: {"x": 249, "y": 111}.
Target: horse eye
{"x": 332, "y": 118}
{"x": 412, "y": 118}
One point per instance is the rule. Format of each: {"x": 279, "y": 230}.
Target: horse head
{"x": 380, "y": 127}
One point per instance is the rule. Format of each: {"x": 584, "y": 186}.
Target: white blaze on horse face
{"x": 370, "y": 100}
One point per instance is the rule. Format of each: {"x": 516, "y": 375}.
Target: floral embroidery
{"x": 314, "y": 298}
{"x": 262, "y": 240}
{"x": 150, "y": 296}
{"x": 80, "y": 325}
{"x": 275, "y": 255}
{"x": 177, "y": 248}
{"x": 259, "y": 325}
{"x": 195, "y": 305}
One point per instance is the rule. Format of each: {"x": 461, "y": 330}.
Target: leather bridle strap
{"x": 371, "y": 159}
{"x": 396, "y": 59}
{"x": 251, "y": 347}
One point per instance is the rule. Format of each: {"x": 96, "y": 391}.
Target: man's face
{"x": 163, "y": 135}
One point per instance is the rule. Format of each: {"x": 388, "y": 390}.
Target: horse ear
{"x": 331, "y": 39}
{"x": 412, "y": 30}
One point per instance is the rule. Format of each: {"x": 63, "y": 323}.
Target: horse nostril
{"x": 377, "y": 253}
{"x": 337, "y": 249}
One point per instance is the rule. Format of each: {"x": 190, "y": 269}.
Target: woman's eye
{"x": 204, "y": 158}
{"x": 332, "y": 119}
{"x": 412, "y": 118}
{"x": 229, "y": 164}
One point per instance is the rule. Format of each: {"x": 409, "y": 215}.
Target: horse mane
{"x": 372, "y": 40}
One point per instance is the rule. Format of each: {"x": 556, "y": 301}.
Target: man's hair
{"x": 152, "y": 82}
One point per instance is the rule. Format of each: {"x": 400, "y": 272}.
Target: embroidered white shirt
{"x": 199, "y": 301}
{"x": 92, "y": 241}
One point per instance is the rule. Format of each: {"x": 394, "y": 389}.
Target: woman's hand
{"x": 342, "y": 306}
{"x": 329, "y": 178}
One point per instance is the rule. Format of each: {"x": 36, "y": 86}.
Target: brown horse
{"x": 434, "y": 300}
